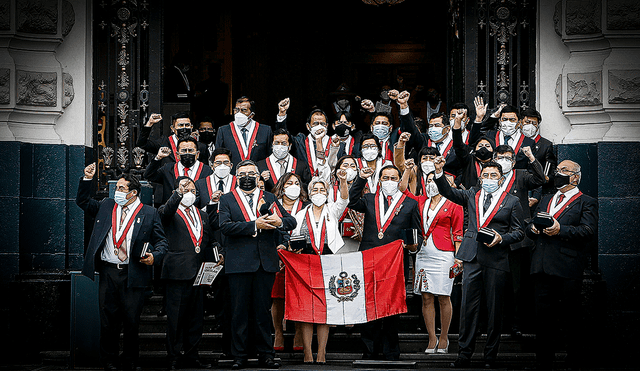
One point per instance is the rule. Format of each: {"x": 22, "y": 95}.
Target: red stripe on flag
{"x": 304, "y": 290}
{"x": 384, "y": 281}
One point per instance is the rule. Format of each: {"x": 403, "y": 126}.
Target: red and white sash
{"x": 383, "y": 220}
{"x": 292, "y": 162}
{"x": 311, "y": 155}
{"x": 210, "y": 185}
{"x": 318, "y": 238}
{"x": 565, "y": 205}
{"x": 119, "y": 235}
{"x": 243, "y": 148}
{"x": 250, "y": 214}
{"x": 195, "y": 228}
{"x": 490, "y": 213}
{"x": 500, "y": 140}
{"x": 177, "y": 174}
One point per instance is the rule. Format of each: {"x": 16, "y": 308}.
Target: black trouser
{"x": 120, "y": 307}
{"x": 557, "y": 307}
{"x": 185, "y": 317}
{"x": 250, "y": 293}
{"x": 521, "y": 298}
{"x": 478, "y": 280}
{"x": 381, "y": 336}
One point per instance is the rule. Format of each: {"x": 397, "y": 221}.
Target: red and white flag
{"x": 345, "y": 289}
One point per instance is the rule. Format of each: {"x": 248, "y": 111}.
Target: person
{"x": 382, "y": 127}
{"x": 389, "y": 215}
{"x": 485, "y": 264}
{"x": 557, "y": 262}
{"x": 190, "y": 244}
{"x": 462, "y": 108}
{"x": 349, "y": 138}
{"x": 117, "y": 250}
{"x": 350, "y": 220}
{"x": 434, "y": 102}
{"x": 207, "y": 135}
{"x": 187, "y": 165}
{"x": 251, "y": 261}
{"x": 318, "y": 222}
{"x": 442, "y": 223}
{"x": 220, "y": 180}
{"x": 371, "y": 158}
{"x": 313, "y": 148}
{"x": 181, "y": 127}
{"x": 291, "y": 193}
{"x": 246, "y": 138}
{"x": 281, "y": 161}
{"x": 417, "y": 182}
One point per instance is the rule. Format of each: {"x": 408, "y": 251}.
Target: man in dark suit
{"x": 249, "y": 227}
{"x": 349, "y": 138}
{"x": 486, "y": 265}
{"x": 190, "y": 244}
{"x": 281, "y": 161}
{"x": 122, "y": 231}
{"x": 244, "y": 137}
{"x": 558, "y": 261}
{"x": 401, "y": 214}
{"x": 187, "y": 165}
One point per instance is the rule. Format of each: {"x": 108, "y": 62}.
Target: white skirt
{"x": 432, "y": 270}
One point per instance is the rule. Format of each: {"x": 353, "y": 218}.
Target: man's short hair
{"x": 179, "y": 115}
{"x": 504, "y": 148}
{"x": 187, "y": 139}
{"x": 377, "y": 114}
{"x": 441, "y": 115}
{"x": 176, "y": 183}
{"x": 315, "y": 111}
{"x": 389, "y": 166}
{"x": 510, "y": 109}
{"x": 339, "y": 114}
{"x": 492, "y": 163}
{"x": 244, "y": 99}
{"x": 246, "y": 163}
{"x": 369, "y": 135}
{"x": 531, "y": 112}
{"x": 220, "y": 151}
{"x": 283, "y": 131}
{"x": 133, "y": 183}
{"x": 458, "y": 106}
{"x": 428, "y": 151}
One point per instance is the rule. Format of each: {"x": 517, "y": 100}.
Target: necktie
{"x": 186, "y": 171}
{"x": 221, "y": 186}
{"x": 389, "y": 198}
{"x": 438, "y": 145}
{"x": 245, "y": 135}
{"x": 283, "y": 167}
{"x": 190, "y": 215}
{"x": 122, "y": 251}
{"x": 487, "y": 202}
{"x": 342, "y": 150}
{"x": 123, "y": 216}
{"x": 250, "y": 200}
{"x": 507, "y": 138}
{"x": 560, "y": 198}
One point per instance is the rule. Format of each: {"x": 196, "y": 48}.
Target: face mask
{"x": 436, "y": 134}
{"x": 351, "y": 174}
{"x": 508, "y": 128}
{"x": 241, "y": 119}
{"x": 342, "y": 130}
{"x": 427, "y": 167}
{"x": 506, "y": 165}
{"x": 222, "y": 171}
{"x": 483, "y": 154}
{"x": 292, "y": 192}
{"x": 247, "y": 183}
{"x": 561, "y": 180}
{"x": 120, "y": 198}
{"x": 490, "y": 185}
{"x": 463, "y": 123}
{"x": 381, "y": 131}
{"x": 432, "y": 189}
{"x": 187, "y": 159}
{"x": 280, "y": 151}
{"x": 389, "y": 187}
{"x": 343, "y": 103}
{"x": 183, "y": 132}
{"x": 319, "y": 199}
{"x": 370, "y": 154}
{"x": 206, "y": 137}
{"x": 530, "y": 130}
{"x": 315, "y": 129}
{"x": 188, "y": 199}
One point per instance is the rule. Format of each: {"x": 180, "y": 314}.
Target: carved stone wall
{"x": 34, "y": 89}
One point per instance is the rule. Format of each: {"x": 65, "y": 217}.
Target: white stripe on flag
{"x": 344, "y": 284}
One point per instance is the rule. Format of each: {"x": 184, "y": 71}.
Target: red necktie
{"x": 186, "y": 171}
{"x": 560, "y": 198}
{"x": 389, "y": 198}
{"x": 190, "y": 215}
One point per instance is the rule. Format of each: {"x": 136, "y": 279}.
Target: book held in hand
{"x": 485, "y": 235}
{"x": 145, "y": 249}
{"x": 542, "y": 220}
{"x": 410, "y": 236}
{"x": 207, "y": 273}
{"x": 297, "y": 243}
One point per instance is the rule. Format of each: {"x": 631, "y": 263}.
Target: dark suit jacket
{"x": 544, "y": 153}
{"x": 181, "y": 261}
{"x": 301, "y": 169}
{"x": 564, "y": 254}
{"x": 261, "y": 145}
{"x": 467, "y": 163}
{"x": 146, "y": 228}
{"x": 245, "y": 253}
{"x": 152, "y": 145}
{"x": 408, "y": 217}
{"x": 165, "y": 175}
{"x": 507, "y": 222}
{"x": 204, "y": 195}
{"x": 488, "y": 129}
{"x": 355, "y": 139}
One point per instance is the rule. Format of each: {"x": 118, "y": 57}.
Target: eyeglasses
{"x": 225, "y": 162}
{"x": 122, "y": 189}
{"x": 504, "y": 158}
{"x": 370, "y": 146}
{"x": 251, "y": 173}
{"x": 565, "y": 171}
{"x": 243, "y": 110}
{"x": 316, "y": 123}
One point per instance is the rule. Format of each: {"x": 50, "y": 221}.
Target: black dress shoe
{"x": 269, "y": 363}
{"x": 460, "y": 363}
{"x": 238, "y": 364}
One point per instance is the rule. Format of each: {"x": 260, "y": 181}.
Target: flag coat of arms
{"x": 345, "y": 289}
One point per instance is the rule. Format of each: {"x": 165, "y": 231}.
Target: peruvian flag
{"x": 344, "y": 289}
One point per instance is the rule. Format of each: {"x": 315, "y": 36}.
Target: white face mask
{"x": 381, "y": 131}
{"x": 292, "y": 192}
{"x": 463, "y": 123}
{"x": 319, "y": 199}
{"x": 240, "y": 119}
{"x": 506, "y": 165}
{"x": 427, "y": 167}
{"x": 432, "y": 189}
{"x": 370, "y": 154}
{"x": 280, "y": 151}
{"x": 120, "y": 197}
{"x": 351, "y": 174}
{"x": 315, "y": 129}
{"x": 507, "y": 127}
{"x": 188, "y": 199}
{"x": 389, "y": 187}
{"x": 530, "y": 130}
{"x": 222, "y": 171}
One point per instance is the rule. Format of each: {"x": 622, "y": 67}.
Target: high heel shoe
{"x": 278, "y": 349}
{"x": 432, "y": 350}
{"x": 298, "y": 349}
{"x": 444, "y": 350}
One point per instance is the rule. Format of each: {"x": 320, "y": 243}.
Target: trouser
{"x": 250, "y": 294}
{"x": 185, "y": 317}
{"x": 557, "y": 307}
{"x": 521, "y": 296}
{"x": 120, "y": 307}
{"x": 478, "y": 280}
{"x": 381, "y": 335}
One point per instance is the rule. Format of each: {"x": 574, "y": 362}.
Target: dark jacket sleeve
{"x": 458, "y": 196}
{"x": 534, "y": 176}
{"x": 152, "y": 172}
{"x": 158, "y": 240}
{"x": 588, "y": 223}
{"x": 230, "y": 227}
{"x": 84, "y": 200}
{"x": 356, "y": 202}
{"x": 516, "y": 232}
{"x": 168, "y": 210}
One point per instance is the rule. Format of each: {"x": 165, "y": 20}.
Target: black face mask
{"x": 483, "y": 154}
{"x": 183, "y": 132}
{"x": 187, "y": 159}
{"x": 342, "y": 130}
{"x": 207, "y": 137}
{"x": 247, "y": 183}
{"x": 343, "y": 103}
{"x": 561, "y": 180}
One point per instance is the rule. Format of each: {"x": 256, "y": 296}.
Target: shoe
{"x": 238, "y": 364}
{"x": 320, "y": 363}
{"x": 270, "y": 363}
{"x": 298, "y": 349}
{"x": 196, "y": 363}
{"x": 110, "y": 367}
{"x": 460, "y": 363}
{"x": 444, "y": 350}
{"x": 432, "y": 350}
{"x": 278, "y": 349}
